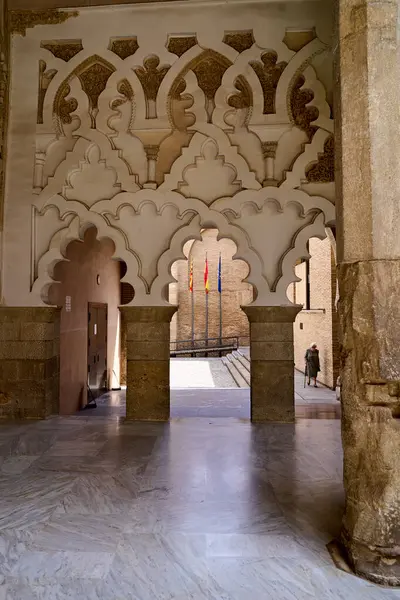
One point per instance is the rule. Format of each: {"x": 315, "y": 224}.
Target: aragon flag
{"x": 206, "y": 281}
{"x": 191, "y": 276}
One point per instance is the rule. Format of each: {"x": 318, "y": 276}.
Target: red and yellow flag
{"x": 191, "y": 276}
{"x": 206, "y": 282}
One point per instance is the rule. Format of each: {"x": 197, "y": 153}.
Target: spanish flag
{"x": 206, "y": 282}
{"x": 191, "y": 276}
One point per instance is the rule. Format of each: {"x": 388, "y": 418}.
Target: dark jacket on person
{"x": 312, "y": 362}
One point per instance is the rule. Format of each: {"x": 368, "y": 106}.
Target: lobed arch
{"x": 119, "y": 71}
{"x": 75, "y": 231}
{"x": 207, "y": 220}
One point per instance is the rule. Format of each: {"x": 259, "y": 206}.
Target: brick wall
{"x": 319, "y": 324}
{"x": 234, "y": 291}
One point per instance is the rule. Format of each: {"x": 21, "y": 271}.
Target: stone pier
{"x": 29, "y": 362}
{"x": 368, "y": 203}
{"x": 272, "y": 362}
{"x": 148, "y": 349}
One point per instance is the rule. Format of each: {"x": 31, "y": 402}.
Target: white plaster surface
{"x": 210, "y": 168}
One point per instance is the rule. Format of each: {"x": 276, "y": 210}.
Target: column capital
{"x": 272, "y": 314}
{"x": 152, "y": 151}
{"x": 269, "y": 149}
{"x": 148, "y": 314}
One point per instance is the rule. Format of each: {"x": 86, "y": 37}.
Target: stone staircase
{"x": 238, "y": 365}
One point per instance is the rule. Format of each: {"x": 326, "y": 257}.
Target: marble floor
{"x": 197, "y": 509}
{"x": 223, "y": 401}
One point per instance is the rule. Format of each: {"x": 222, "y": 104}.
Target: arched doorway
{"x": 87, "y": 288}
{"x": 210, "y": 366}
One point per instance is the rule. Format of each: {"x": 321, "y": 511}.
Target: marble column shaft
{"x": 368, "y": 207}
{"x": 272, "y": 362}
{"x": 29, "y": 362}
{"x": 148, "y": 355}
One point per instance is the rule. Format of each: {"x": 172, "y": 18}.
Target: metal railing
{"x": 204, "y": 346}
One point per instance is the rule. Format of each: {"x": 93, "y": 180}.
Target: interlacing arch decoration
{"x": 152, "y": 147}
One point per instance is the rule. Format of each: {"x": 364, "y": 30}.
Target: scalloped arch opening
{"x": 228, "y": 290}
{"x": 89, "y": 261}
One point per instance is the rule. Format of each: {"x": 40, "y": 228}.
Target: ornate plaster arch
{"x": 207, "y": 219}
{"x": 294, "y": 69}
{"x": 75, "y": 231}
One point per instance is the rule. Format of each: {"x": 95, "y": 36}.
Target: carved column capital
{"x": 269, "y": 149}
{"x": 152, "y": 151}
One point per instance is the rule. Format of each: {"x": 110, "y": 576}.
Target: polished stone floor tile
{"x": 96, "y": 508}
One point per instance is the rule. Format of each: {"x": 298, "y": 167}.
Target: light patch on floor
{"x": 199, "y": 373}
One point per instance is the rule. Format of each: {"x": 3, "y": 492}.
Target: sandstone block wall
{"x": 29, "y": 362}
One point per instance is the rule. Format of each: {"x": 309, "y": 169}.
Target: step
{"x": 244, "y": 372}
{"x": 237, "y": 377}
{"x": 244, "y": 360}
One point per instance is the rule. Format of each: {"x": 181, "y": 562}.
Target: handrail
{"x": 204, "y": 345}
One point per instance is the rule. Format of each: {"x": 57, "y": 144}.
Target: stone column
{"x": 38, "y": 172}
{"x": 272, "y": 362}
{"x": 29, "y": 362}
{"x": 269, "y": 152}
{"x": 368, "y": 244}
{"x": 152, "y": 157}
{"x": 148, "y": 338}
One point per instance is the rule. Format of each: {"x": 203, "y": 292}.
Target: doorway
{"x": 97, "y": 348}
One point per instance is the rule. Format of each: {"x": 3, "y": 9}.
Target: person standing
{"x": 312, "y": 363}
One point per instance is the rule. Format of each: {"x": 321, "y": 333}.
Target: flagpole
{"x": 191, "y": 290}
{"x": 192, "y": 318}
{"x": 206, "y": 319}
{"x": 220, "y": 299}
{"x": 206, "y": 292}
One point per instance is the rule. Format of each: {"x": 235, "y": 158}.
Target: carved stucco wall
{"x": 151, "y": 125}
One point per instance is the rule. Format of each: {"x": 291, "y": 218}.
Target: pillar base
{"x": 148, "y": 351}
{"x": 272, "y": 362}
{"x": 29, "y": 362}
{"x": 379, "y": 565}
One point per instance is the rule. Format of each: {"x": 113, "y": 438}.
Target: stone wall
{"x": 88, "y": 275}
{"x": 29, "y": 362}
{"x": 235, "y": 293}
